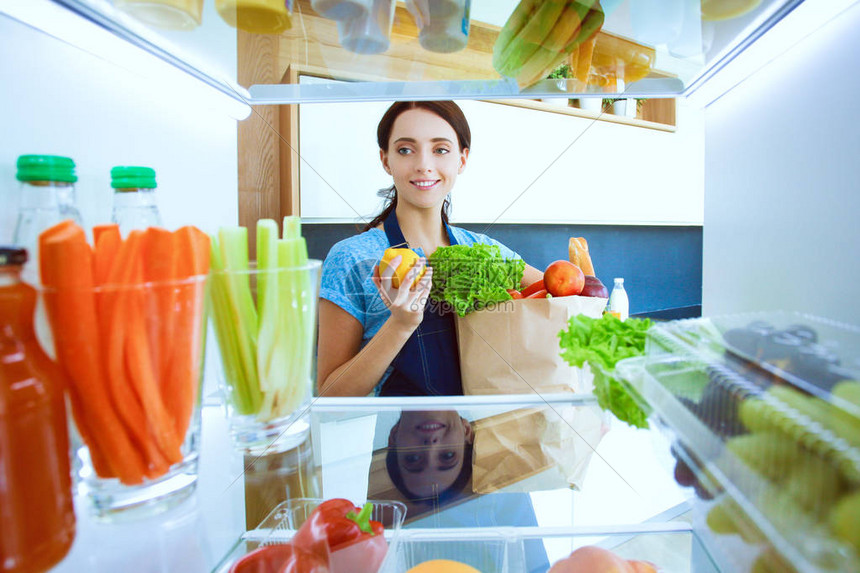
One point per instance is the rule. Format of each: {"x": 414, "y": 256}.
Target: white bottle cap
{"x": 619, "y": 280}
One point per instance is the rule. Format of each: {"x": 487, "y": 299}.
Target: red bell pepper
{"x": 280, "y": 558}
{"x": 357, "y": 543}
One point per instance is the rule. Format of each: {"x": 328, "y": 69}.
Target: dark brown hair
{"x": 447, "y": 110}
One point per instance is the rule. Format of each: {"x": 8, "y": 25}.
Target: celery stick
{"x": 267, "y": 300}
{"x": 294, "y": 254}
{"x": 224, "y": 331}
{"x": 292, "y": 227}
{"x": 234, "y": 253}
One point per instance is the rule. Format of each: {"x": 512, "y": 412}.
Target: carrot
{"x": 533, "y": 288}
{"x": 143, "y": 377}
{"x": 104, "y": 228}
{"x": 114, "y": 326}
{"x": 66, "y": 266}
{"x": 183, "y": 376}
{"x": 107, "y": 244}
{"x": 159, "y": 255}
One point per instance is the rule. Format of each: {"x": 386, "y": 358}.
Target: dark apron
{"x": 429, "y": 362}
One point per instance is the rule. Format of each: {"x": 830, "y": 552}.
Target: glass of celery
{"x": 264, "y": 315}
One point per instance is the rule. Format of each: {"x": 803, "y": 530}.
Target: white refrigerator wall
{"x": 525, "y": 166}
{"x": 782, "y": 198}
{"x": 58, "y": 100}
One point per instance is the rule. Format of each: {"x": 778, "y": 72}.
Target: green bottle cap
{"x": 46, "y": 168}
{"x": 125, "y": 177}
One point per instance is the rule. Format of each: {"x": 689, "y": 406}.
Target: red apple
{"x": 563, "y": 278}
{"x": 593, "y": 287}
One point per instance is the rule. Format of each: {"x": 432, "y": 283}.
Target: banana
{"x": 552, "y": 51}
{"x": 521, "y": 15}
{"x": 529, "y": 39}
{"x": 541, "y": 63}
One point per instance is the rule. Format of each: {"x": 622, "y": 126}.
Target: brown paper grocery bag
{"x": 507, "y": 449}
{"x": 512, "y": 347}
{"x": 516, "y": 445}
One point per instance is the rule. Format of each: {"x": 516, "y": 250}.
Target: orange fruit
{"x": 408, "y": 257}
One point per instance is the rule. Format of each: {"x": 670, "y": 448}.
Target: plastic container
{"x": 443, "y": 25}
{"x": 257, "y": 16}
{"x": 134, "y": 205}
{"x": 371, "y": 32}
{"x": 286, "y": 518}
{"x": 342, "y": 9}
{"x": 619, "y": 305}
{"x": 47, "y": 192}
{"x": 35, "y": 479}
{"x": 169, "y": 14}
{"x": 484, "y": 549}
{"x": 767, "y": 406}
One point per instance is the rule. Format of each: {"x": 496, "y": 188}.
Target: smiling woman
{"x": 382, "y": 336}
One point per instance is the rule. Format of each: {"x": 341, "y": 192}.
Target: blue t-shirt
{"x": 348, "y": 270}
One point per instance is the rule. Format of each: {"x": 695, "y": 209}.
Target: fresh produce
{"x": 356, "y": 543}
{"x": 128, "y": 325}
{"x": 408, "y": 258}
{"x": 469, "y": 278}
{"x": 543, "y": 293}
{"x": 563, "y": 278}
{"x": 602, "y": 343}
{"x": 598, "y": 560}
{"x": 515, "y": 294}
{"x": 540, "y": 34}
{"x": 844, "y": 519}
{"x": 280, "y": 558}
{"x": 594, "y": 287}
{"x": 536, "y": 286}
{"x": 442, "y": 566}
{"x": 266, "y": 344}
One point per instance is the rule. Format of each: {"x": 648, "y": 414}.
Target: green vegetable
{"x": 235, "y": 315}
{"x": 602, "y": 342}
{"x": 471, "y": 277}
{"x": 267, "y": 346}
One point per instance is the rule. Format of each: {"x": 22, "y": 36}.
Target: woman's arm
{"x": 346, "y": 369}
{"x": 530, "y": 275}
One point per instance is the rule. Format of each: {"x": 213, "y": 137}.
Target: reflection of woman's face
{"x": 429, "y": 447}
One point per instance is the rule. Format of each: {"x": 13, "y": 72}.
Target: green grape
{"x": 845, "y": 517}
{"x": 773, "y": 415}
{"x": 814, "y": 484}
{"x": 720, "y": 520}
{"x": 769, "y": 561}
{"x": 770, "y": 454}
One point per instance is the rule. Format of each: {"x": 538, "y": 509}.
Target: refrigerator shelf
{"x": 645, "y": 49}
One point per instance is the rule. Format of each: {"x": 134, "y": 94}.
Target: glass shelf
{"x": 645, "y": 48}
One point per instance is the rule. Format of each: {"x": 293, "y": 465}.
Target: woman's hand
{"x": 406, "y": 304}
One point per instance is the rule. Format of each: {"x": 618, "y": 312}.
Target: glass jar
{"x": 169, "y": 14}
{"x": 35, "y": 477}
{"x": 257, "y": 16}
{"x": 134, "y": 205}
{"x": 47, "y": 196}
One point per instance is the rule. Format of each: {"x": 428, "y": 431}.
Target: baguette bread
{"x": 577, "y": 250}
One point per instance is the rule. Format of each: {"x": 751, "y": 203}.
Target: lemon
{"x": 726, "y": 9}
{"x": 408, "y": 258}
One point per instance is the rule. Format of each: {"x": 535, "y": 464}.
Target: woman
{"x": 375, "y": 338}
{"x": 429, "y": 455}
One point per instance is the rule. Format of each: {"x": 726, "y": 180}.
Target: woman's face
{"x": 423, "y": 157}
{"x": 430, "y": 448}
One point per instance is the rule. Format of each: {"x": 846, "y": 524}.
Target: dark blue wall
{"x": 661, "y": 265}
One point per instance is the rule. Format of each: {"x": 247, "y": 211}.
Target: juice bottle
{"x": 37, "y": 518}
